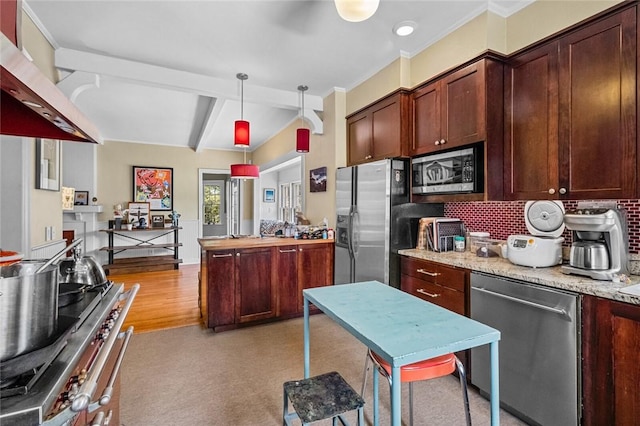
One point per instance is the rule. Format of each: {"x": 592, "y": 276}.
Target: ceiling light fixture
{"x": 404, "y": 28}
{"x": 241, "y": 138}
{"x": 356, "y": 10}
{"x": 241, "y": 134}
{"x": 302, "y": 134}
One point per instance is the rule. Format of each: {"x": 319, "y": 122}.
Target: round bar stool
{"x": 422, "y": 370}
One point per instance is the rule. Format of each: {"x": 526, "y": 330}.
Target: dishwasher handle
{"x": 560, "y": 312}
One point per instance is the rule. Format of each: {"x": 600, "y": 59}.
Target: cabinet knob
{"x": 300, "y": 249}
{"x": 442, "y": 141}
{"x": 238, "y": 254}
{"x": 552, "y": 191}
{"x": 437, "y": 143}
{"x": 562, "y": 191}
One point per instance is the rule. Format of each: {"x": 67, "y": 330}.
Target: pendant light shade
{"x": 241, "y": 133}
{"x": 244, "y": 171}
{"x": 302, "y": 134}
{"x": 356, "y": 10}
{"x": 302, "y": 140}
{"x": 241, "y": 138}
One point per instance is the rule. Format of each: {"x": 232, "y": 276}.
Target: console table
{"x": 147, "y": 238}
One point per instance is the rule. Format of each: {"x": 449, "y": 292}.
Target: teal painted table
{"x": 402, "y": 329}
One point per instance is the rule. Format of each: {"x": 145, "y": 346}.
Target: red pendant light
{"x": 241, "y": 133}
{"x": 245, "y": 171}
{"x": 302, "y": 134}
{"x": 241, "y": 138}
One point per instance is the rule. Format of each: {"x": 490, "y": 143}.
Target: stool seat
{"x": 321, "y": 397}
{"x": 422, "y": 370}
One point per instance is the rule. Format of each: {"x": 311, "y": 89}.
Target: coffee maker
{"x": 600, "y": 243}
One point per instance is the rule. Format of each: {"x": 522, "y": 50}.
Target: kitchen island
{"x": 245, "y": 281}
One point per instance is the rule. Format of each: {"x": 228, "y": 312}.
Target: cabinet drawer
{"x": 442, "y": 296}
{"x": 445, "y": 276}
{"x": 420, "y": 269}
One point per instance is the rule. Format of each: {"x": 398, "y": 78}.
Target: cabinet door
{"x": 315, "y": 267}
{"x": 386, "y": 121}
{"x": 255, "y": 295}
{"x": 531, "y": 120}
{"x": 426, "y": 119}
{"x": 463, "y": 106}
{"x": 611, "y": 377}
{"x": 221, "y": 288}
{"x": 598, "y": 109}
{"x": 287, "y": 279}
{"x": 359, "y": 138}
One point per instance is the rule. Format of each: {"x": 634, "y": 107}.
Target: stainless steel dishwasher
{"x": 539, "y": 348}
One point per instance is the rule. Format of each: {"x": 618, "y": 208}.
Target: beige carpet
{"x": 192, "y": 376}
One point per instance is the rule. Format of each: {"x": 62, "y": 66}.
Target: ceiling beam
{"x": 215, "y": 107}
{"x": 75, "y": 60}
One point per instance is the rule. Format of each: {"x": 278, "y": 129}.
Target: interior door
{"x": 214, "y": 208}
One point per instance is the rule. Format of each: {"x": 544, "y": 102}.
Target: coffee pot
{"x": 600, "y": 243}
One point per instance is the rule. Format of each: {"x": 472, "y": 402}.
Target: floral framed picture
{"x": 153, "y": 185}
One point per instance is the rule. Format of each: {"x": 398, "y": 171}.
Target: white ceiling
{"x": 164, "y": 72}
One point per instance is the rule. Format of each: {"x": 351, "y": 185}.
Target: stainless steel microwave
{"x": 460, "y": 171}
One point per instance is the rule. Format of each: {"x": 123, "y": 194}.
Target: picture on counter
{"x": 269, "y": 195}
{"x": 81, "y": 198}
{"x": 48, "y": 164}
{"x": 139, "y": 215}
{"x": 318, "y": 180}
{"x": 153, "y": 185}
{"x": 157, "y": 221}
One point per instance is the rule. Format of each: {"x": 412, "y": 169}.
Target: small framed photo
{"x": 157, "y": 221}
{"x": 269, "y": 195}
{"x": 81, "y": 198}
{"x": 139, "y": 215}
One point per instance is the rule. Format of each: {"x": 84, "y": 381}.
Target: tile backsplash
{"x": 504, "y": 218}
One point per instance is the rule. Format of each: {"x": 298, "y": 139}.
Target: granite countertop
{"x": 223, "y": 243}
{"x": 551, "y": 277}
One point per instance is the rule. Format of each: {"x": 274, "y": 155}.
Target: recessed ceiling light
{"x": 404, "y": 28}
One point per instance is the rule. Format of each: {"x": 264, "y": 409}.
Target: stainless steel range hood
{"x": 31, "y": 105}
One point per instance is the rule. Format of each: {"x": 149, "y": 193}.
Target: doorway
{"x": 219, "y": 203}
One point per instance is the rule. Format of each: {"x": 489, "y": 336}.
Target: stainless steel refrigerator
{"x": 374, "y": 220}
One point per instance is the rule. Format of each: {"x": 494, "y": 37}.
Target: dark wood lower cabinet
{"x": 610, "y": 367}
{"x": 252, "y": 285}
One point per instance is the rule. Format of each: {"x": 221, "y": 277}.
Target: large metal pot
{"x": 28, "y": 307}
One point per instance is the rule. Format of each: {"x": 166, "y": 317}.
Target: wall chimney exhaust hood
{"x": 31, "y": 105}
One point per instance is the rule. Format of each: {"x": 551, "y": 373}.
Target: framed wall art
{"x": 153, "y": 185}
{"x": 81, "y": 198}
{"x": 48, "y": 164}
{"x": 269, "y": 195}
{"x": 139, "y": 215}
{"x": 318, "y": 180}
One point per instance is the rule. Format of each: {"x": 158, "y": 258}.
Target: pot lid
{"x": 544, "y": 218}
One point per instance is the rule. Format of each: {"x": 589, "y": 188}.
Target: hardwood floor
{"x": 166, "y": 299}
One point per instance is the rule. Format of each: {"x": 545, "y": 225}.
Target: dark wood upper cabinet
{"x": 451, "y": 111}
{"x": 570, "y": 115}
{"x": 380, "y": 130}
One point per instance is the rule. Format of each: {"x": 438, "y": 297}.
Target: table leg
{"x": 376, "y": 404}
{"x": 306, "y": 338}
{"x": 495, "y": 384}
{"x": 396, "y": 386}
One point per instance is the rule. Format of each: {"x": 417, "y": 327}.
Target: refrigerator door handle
{"x": 354, "y": 234}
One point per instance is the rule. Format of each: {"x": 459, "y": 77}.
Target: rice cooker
{"x": 543, "y": 248}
